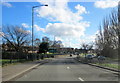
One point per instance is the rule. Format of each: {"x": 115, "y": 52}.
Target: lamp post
{"x": 33, "y": 23}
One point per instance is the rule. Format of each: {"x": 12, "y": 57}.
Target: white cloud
{"x": 106, "y": 4}
{"x": 25, "y": 25}
{"x": 68, "y": 24}
{"x": 23, "y": 31}
{"x": 77, "y": 41}
{"x": 6, "y": 4}
{"x": 80, "y": 9}
{"x": 59, "y": 11}
{"x": 58, "y": 39}
{"x": 38, "y": 28}
{"x": 64, "y": 29}
{"x": 29, "y": 32}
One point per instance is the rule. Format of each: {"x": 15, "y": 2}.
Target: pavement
{"x": 108, "y": 68}
{"x": 12, "y": 71}
{"x": 67, "y": 69}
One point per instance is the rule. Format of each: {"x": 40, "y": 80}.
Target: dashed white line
{"x": 80, "y": 79}
{"x": 68, "y": 67}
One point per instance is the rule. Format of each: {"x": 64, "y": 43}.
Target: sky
{"x": 73, "y": 23}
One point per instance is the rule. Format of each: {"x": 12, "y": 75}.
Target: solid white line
{"x": 80, "y": 79}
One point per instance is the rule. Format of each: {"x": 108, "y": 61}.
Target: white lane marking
{"x": 80, "y": 79}
{"x": 68, "y": 67}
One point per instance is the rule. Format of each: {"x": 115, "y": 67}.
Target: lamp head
{"x": 46, "y": 5}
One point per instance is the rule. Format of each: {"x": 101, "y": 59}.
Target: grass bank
{"x": 115, "y": 66}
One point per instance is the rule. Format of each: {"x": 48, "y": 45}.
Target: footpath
{"x": 12, "y": 71}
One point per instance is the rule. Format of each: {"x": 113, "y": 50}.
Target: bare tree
{"x": 16, "y": 36}
{"x": 87, "y": 47}
{"x": 107, "y": 41}
{"x": 84, "y": 46}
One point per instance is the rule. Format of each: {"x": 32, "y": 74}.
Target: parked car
{"x": 89, "y": 56}
{"x": 101, "y": 58}
{"x": 95, "y": 56}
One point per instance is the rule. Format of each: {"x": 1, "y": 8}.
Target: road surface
{"x": 68, "y": 69}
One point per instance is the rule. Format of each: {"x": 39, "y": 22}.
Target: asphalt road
{"x": 68, "y": 69}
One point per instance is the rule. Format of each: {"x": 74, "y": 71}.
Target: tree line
{"x": 16, "y": 43}
{"x": 108, "y": 39}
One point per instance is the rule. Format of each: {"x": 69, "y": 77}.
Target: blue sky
{"x": 73, "y": 22}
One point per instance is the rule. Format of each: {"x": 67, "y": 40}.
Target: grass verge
{"x": 115, "y": 66}
{"x": 5, "y": 62}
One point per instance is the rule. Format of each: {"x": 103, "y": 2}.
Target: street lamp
{"x": 33, "y": 23}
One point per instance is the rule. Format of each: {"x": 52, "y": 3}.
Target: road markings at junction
{"x": 68, "y": 67}
{"x": 80, "y": 79}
